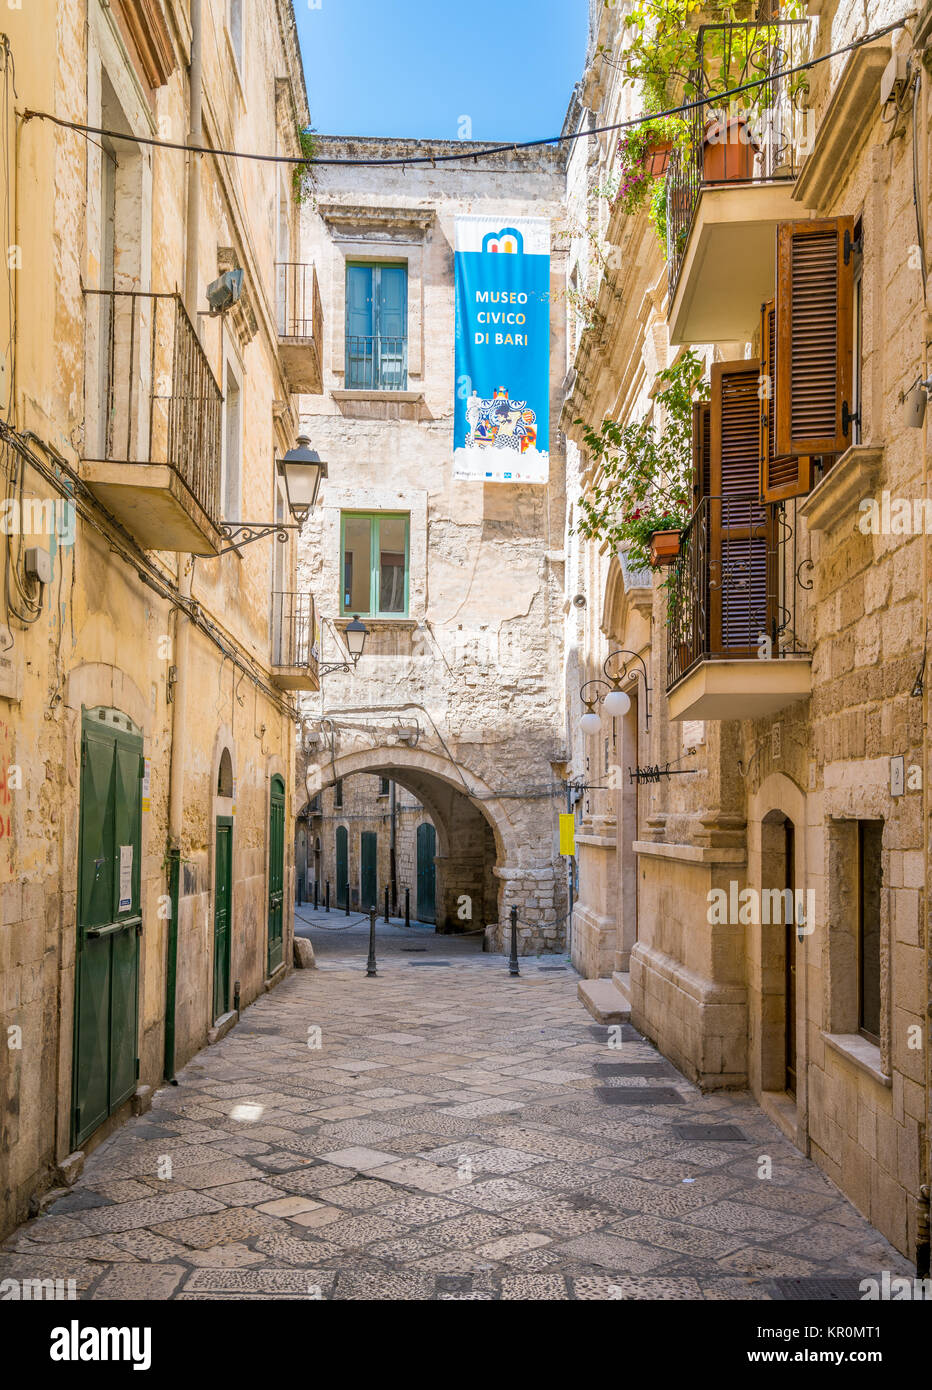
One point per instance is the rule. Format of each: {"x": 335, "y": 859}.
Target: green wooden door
{"x": 276, "y": 871}
{"x": 223, "y": 905}
{"x": 368, "y": 870}
{"x": 426, "y": 872}
{"x": 342, "y": 858}
{"x": 105, "y": 1067}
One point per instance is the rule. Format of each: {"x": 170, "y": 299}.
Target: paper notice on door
{"x": 126, "y": 878}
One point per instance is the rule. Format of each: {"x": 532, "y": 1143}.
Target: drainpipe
{"x": 186, "y": 570}
{"x": 195, "y": 137}
{"x": 392, "y": 842}
{"x": 925, "y": 1157}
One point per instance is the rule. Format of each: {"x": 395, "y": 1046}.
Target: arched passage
{"x": 478, "y": 841}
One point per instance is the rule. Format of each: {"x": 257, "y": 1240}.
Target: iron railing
{"x": 376, "y": 363}
{"x": 770, "y": 116}
{"x": 294, "y": 631}
{"x": 149, "y": 393}
{"x": 300, "y": 313}
{"x": 733, "y": 589}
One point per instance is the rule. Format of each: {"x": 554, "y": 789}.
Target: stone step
{"x": 622, "y": 982}
{"x": 604, "y": 1001}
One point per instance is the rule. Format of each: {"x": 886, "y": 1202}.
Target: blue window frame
{"x": 376, "y": 327}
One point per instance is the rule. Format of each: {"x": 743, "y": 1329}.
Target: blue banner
{"x": 501, "y": 425}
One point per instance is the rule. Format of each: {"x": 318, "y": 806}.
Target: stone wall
{"x": 473, "y": 665}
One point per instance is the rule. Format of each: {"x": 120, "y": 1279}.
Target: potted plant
{"x": 664, "y": 547}
{"x": 729, "y": 147}
{"x": 640, "y": 500}
{"x": 644, "y": 152}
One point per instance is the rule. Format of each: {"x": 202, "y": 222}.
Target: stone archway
{"x": 484, "y": 859}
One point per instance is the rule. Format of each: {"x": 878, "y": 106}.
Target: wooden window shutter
{"x": 813, "y": 338}
{"x": 739, "y": 525}
{"x": 702, "y": 451}
{"x": 780, "y": 478}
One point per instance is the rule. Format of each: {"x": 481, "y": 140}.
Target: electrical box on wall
{"x": 38, "y": 565}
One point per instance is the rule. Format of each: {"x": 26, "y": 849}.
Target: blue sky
{"x": 416, "y": 67}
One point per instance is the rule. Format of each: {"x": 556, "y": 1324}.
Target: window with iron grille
{"x": 376, "y": 327}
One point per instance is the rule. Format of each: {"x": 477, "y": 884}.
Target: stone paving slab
{"x": 456, "y": 1136}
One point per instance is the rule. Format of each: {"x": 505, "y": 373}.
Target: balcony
{"x": 376, "y": 364}
{"x": 295, "y": 642}
{"x": 152, "y": 421}
{"x": 732, "y": 182}
{"x": 733, "y": 645}
{"x": 300, "y": 327}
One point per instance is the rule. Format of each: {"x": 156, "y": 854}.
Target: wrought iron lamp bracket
{"x": 244, "y": 532}
{"x": 642, "y": 672}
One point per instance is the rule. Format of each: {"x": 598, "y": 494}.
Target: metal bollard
{"x": 386, "y": 903}
{"x": 347, "y": 897}
{"x": 316, "y": 895}
{"x": 407, "y": 907}
{"x": 327, "y": 896}
{"x": 513, "y": 962}
{"x": 370, "y": 963}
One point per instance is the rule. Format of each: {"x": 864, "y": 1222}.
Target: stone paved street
{"x": 457, "y": 1135}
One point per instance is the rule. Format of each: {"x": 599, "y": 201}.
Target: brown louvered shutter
{"x": 780, "y": 478}
{"x": 814, "y": 346}
{"x": 702, "y": 452}
{"x": 738, "y": 523}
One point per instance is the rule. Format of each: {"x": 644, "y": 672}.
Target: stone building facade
{"x": 453, "y": 698}
{"x": 146, "y": 728}
{"x": 798, "y": 716}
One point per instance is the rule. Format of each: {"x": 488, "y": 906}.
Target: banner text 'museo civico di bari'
{"x": 501, "y": 428}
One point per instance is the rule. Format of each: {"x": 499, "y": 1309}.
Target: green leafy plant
{"x": 644, "y": 470}
{"x": 303, "y": 174}
{"x": 660, "y": 49}
{"x": 636, "y": 181}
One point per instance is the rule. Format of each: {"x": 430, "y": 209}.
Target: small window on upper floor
{"x": 376, "y": 327}
{"x": 232, "y": 447}
{"x": 235, "y": 24}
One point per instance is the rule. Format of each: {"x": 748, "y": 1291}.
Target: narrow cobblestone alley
{"x": 458, "y": 1134}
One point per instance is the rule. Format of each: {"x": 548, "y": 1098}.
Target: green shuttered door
{"x": 109, "y": 912}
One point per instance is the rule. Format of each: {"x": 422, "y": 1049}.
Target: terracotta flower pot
{"x": 664, "y": 547}
{"x": 728, "y": 151}
{"x": 657, "y": 157}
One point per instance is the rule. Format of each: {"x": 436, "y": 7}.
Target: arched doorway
{"x": 276, "y": 871}
{"x": 426, "y": 909}
{"x": 778, "y": 953}
{"x": 341, "y": 855}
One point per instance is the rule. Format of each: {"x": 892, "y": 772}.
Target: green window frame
{"x": 384, "y": 568}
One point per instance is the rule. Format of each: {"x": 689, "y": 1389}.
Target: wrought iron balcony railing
{"x": 300, "y": 313}
{"x": 376, "y": 364}
{"x": 733, "y": 588}
{"x": 294, "y": 632}
{"x": 761, "y": 137}
{"x": 150, "y": 395}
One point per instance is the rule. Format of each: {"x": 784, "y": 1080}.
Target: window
{"x": 377, "y": 327}
{"x": 338, "y": 792}
{"x": 236, "y": 31}
{"x": 857, "y": 320}
{"x": 383, "y": 786}
{"x": 231, "y": 448}
{"x": 374, "y": 565}
{"x": 870, "y": 876}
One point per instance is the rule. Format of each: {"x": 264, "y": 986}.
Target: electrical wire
{"x": 512, "y": 147}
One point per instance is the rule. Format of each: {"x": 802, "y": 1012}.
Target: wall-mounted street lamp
{"x": 302, "y": 469}
{"x": 354, "y": 634}
{"x": 616, "y": 703}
